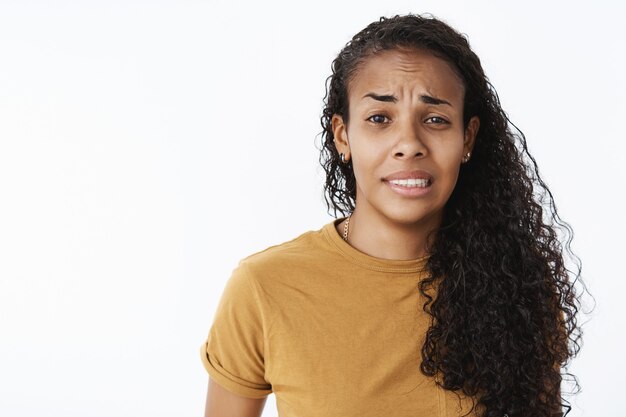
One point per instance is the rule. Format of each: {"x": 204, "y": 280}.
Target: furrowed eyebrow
{"x": 433, "y": 100}
{"x": 389, "y": 98}
{"x": 384, "y": 98}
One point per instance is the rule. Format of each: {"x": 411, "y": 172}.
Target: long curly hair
{"x": 504, "y": 317}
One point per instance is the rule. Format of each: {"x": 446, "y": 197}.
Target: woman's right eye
{"x": 378, "y": 119}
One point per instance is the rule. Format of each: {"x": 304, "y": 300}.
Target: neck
{"x": 383, "y": 238}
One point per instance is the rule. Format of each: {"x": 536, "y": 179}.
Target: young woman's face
{"x": 405, "y": 135}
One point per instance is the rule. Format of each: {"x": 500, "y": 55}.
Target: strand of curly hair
{"x": 504, "y": 318}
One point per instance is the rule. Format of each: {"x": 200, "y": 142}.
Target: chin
{"x": 413, "y": 217}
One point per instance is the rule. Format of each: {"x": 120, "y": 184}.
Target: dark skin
{"x": 222, "y": 403}
{"x": 406, "y": 114}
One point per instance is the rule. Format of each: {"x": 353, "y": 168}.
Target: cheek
{"x": 364, "y": 167}
{"x": 367, "y": 159}
{"x": 451, "y": 178}
{"x": 363, "y": 153}
{"x": 449, "y": 166}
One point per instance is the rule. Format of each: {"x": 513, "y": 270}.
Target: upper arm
{"x": 222, "y": 403}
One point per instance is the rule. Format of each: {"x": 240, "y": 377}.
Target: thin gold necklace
{"x": 345, "y": 228}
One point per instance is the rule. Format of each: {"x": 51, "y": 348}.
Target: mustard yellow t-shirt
{"x": 331, "y": 331}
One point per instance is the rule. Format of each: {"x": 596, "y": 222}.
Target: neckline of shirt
{"x": 367, "y": 261}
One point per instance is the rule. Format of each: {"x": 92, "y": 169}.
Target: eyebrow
{"x": 390, "y": 98}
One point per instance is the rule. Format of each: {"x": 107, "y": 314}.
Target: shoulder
{"x": 300, "y": 246}
{"x": 306, "y": 249}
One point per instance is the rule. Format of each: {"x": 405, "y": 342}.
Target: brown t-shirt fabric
{"x": 330, "y": 330}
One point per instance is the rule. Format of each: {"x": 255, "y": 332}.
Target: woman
{"x": 442, "y": 289}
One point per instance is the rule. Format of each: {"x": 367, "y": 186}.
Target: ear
{"x": 340, "y": 132}
{"x": 469, "y": 137}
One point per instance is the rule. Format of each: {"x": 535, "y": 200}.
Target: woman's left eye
{"x": 436, "y": 120}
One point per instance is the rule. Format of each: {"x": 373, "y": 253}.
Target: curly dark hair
{"x": 504, "y": 318}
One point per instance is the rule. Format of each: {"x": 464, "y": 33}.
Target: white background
{"x": 146, "y": 147}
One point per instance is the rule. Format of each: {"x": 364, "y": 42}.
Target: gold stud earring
{"x": 467, "y": 157}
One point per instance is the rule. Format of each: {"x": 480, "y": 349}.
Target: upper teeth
{"x": 412, "y": 182}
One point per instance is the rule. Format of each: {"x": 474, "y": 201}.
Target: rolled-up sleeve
{"x": 233, "y": 353}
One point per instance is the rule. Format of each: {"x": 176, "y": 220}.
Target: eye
{"x": 436, "y": 120}
{"x": 378, "y": 119}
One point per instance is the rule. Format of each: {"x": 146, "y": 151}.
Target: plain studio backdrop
{"x": 147, "y": 146}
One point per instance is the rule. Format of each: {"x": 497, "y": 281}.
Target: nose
{"x": 409, "y": 142}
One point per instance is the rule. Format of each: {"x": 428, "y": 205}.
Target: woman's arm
{"x": 223, "y": 403}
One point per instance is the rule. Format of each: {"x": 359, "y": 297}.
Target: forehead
{"x": 405, "y": 72}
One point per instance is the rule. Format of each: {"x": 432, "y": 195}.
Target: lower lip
{"x": 409, "y": 191}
